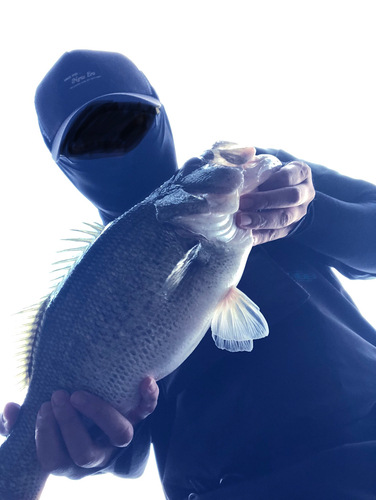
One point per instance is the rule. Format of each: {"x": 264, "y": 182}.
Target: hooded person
{"x": 106, "y": 129}
{"x": 294, "y": 419}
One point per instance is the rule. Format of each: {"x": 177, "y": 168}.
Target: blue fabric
{"x": 343, "y": 473}
{"x": 80, "y": 76}
{"x": 295, "y": 418}
{"x": 115, "y": 184}
{"x": 112, "y": 184}
{"x": 304, "y": 394}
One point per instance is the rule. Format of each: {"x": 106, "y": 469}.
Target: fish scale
{"x": 140, "y": 299}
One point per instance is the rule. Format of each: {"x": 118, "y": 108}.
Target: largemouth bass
{"x": 141, "y": 297}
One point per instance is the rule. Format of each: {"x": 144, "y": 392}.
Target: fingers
{"x": 292, "y": 174}
{"x": 51, "y": 450}
{"x": 283, "y": 197}
{"x": 264, "y": 235}
{"x": 289, "y": 187}
{"x": 149, "y": 397}
{"x": 8, "y": 418}
{"x": 271, "y": 219}
{"x": 116, "y": 427}
{"x": 64, "y": 442}
{"x": 280, "y": 203}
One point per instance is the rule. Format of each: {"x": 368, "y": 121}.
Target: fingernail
{"x": 151, "y": 386}
{"x": 45, "y": 410}
{"x": 79, "y": 398}
{"x": 59, "y": 398}
{"x": 245, "y": 220}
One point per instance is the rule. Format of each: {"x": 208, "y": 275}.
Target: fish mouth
{"x": 238, "y": 158}
{"x": 228, "y": 154}
{"x": 229, "y": 171}
{"x": 219, "y": 223}
{"x": 258, "y": 170}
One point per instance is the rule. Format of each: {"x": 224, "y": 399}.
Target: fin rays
{"x": 33, "y": 315}
{"x": 237, "y": 322}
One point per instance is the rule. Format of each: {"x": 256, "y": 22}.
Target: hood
{"x": 79, "y": 79}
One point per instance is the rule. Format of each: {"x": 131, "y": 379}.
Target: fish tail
{"x": 21, "y": 475}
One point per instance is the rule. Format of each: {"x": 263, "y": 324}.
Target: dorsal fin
{"x": 33, "y": 316}
{"x": 65, "y": 266}
{"x": 28, "y": 337}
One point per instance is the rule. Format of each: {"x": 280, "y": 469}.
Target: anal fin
{"x": 237, "y": 322}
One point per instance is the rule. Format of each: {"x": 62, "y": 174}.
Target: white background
{"x": 296, "y": 75}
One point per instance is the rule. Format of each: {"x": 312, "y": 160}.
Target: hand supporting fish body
{"x": 141, "y": 298}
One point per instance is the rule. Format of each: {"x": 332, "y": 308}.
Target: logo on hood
{"x": 76, "y": 79}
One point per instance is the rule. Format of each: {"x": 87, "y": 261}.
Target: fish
{"x": 140, "y": 297}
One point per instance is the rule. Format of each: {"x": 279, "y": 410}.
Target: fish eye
{"x": 208, "y": 155}
{"x": 192, "y": 165}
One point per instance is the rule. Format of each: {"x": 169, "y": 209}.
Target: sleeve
{"x": 340, "y": 226}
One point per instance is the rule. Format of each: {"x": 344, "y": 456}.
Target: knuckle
{"x": 287, "y": 174}
{"x": 296, "y": 195}
{"x": 290, "y": 176}
{"x": 261, "y": 221}
{"x": 305, "y": 168}
{"x": 273, "y": 233}
{"x": 297, "y": 172}
{"x": 285, "y": 218}
{"x": 305, "y": 171}
{"x": 261, "y": 239}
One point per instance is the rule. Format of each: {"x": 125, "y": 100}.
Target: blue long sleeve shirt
{"x": 303, "y": 391}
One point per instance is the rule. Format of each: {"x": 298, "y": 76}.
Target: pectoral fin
{"x": 237, "y": 321}
{"x": 195, "y": 256}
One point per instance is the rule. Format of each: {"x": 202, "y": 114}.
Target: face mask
{"x": 116, "y": 159}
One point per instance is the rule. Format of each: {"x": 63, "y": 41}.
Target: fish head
{"x": 201, "y": 203}
{"x": 203, "y": 197}
{"x": 256, "y": 168}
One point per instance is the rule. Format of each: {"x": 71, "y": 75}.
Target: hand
{"x": 8, "y": 418}
{"x": 65, "y": 445}
{"x": 279, "y": 204}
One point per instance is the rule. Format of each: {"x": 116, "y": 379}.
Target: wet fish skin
{"x": 137, "y": 304}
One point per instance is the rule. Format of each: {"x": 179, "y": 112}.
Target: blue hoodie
{"x": 295, "y": 418}
{"x": 81, "y": 79}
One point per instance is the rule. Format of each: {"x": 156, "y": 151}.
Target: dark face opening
{"x": 108, "y": 129}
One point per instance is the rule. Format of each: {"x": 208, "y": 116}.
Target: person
{"x": 293, "y": 419}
